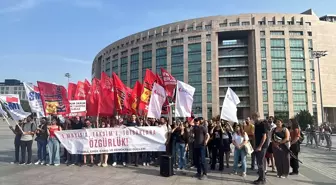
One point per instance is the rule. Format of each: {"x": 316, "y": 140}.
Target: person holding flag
{"x": 17, "y": 141}
{"x": 29, "y": 128}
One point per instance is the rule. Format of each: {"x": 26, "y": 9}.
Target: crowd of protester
{"x": 319, "y": 134}
{"x": 189, "y": 142}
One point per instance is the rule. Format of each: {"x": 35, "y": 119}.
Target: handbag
{"x": 248, "y": 148}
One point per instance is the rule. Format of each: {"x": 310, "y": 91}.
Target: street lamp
{"x": 68, "y": 75}
{"x": 318, "y": 55}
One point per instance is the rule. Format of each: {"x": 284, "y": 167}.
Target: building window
{"x": 194, "y": 38}
{"x": 208, "y": 36}
{"x": 263, "y": 64}
{"x": 280, "y": 86}
{"x": 146, "y": 62}
{"x": 295, "y": 33}
{"x": 190, "y": 28}
{"x": 234, "y": 23}
{"x": 161, "y": 59}
{"x": 309, "y": 33}
{"x": 261, "y": 22}
{"x": 115, "y": 66}
{"x": 207, "y": 27}
{"x": 208, "y": 51}
{"x": 262, "y": 33}
{"x": 123, "y": 69}
{"x": 199, "y": 28}
{"x": 177, "y": 41}
{"x": 277, "y": 33}
{"x": 135, "y": 50}
{"x": 208, "y": 68}
{"x": 147, "y": 47}
{"x": 245, "y": 23}
{"x": 134, "y": 71}
{"x": 281, "y": 23}
{"x": 177, "y": 62}
{"x": 209, "y": 92}
{"x": 264, "y": 86}
{"x": 265, "y": 97}
{"x": 161, "y": 44}
{"x": 223, "y": 25}
{"x": 264, "y": 74}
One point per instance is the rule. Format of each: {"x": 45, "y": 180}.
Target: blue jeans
{"x": 200, "y": 160}
{"x": 181, "y": 155}
{"x": 239, "y": 153}
{"x": 41, "y": 149}
{"x": 54, "y": 151}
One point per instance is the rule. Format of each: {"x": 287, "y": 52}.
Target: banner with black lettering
{"x": 13, "y": 106}
{"x": 113, "y": 140}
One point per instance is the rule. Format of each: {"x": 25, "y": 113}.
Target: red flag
{"x": 11, "y": 99}
{"x": 159, "y": 80}
{"x": 106, "y": 103}
{"x": 54, "y": 98}
{"x": 92, "y": 99}
{"x": 127, "y": 107}
{"x": 72, "y": 88}
{"x": 169, "y": 82}
{"x": 80, "y": 93}
{"x": 120, "y": 93}
{"x": 149, "y": 80}
{"x": 135, "y": 96}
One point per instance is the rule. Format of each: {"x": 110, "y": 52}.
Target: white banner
{"x": 184, "y": 99}
{"x": 13, "y": 106}
{"x": 229, "y": 108}
{"x": 34, "y": 99}
{"x": 113, "y": 140}
{"x": 77, "y": 106}
{"x": 156, "y": 102}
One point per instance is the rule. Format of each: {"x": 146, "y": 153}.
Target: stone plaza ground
{"x": 319, "y": 168}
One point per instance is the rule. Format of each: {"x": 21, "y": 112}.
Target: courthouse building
{"x": 12, "y": 86}
{"x": 267, "y": 59}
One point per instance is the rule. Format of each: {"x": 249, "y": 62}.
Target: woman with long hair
{"x": 295, "y": 146}
{"x": 103, "y": 157}
{"x": 53, "y": 143}
{"x": 182, "y": 137}
{"x": 280, "y": 144}
{"x": 239, "y": 140}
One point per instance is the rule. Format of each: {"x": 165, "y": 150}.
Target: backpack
{"x": 301, "y": 138}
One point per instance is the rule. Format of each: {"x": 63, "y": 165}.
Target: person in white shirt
{"x": 239, "y": 139}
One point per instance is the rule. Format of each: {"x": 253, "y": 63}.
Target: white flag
{"x": 13, "y": 106}
{"x": 156, "y": 101}
{"x": 184, "y": 99}
{"x": 229, "y": 108}
{"x": 34, "y": 99}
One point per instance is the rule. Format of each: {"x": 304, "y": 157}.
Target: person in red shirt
{"x": 53, "y": 143}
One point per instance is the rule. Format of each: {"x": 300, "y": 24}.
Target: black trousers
{"x": 26, "y": 145}
{"x": 260, "y": 156}
{"x": 133, "y": 157}
{"x": 295, "y": 148}
{"x": 17, "y": 145}
{"x": 200, "y": 156}
{"x": 217, "y": 152}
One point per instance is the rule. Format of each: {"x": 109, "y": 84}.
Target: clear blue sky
{"x": 43, "y": 39}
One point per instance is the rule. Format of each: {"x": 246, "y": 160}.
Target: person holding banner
{"x": 28, "y": 129}
{"x": 103, "y": 157}
{"x": 17, "y": 141}
{"x": 42, "y": 141}
{"x": 53, "y": 143}
{"x": 88, "y": 125}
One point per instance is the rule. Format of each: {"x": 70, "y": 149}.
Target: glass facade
{"x": 177, "y": 63}
{"x": 298, "y": 66}
{"x": 279, "y": 78}
{"x": 115, "y": 66}
{"x": 123, "y": 69}
{"x": 264, "y": 76}
{"x": 146, "y": 62}
{"x": 161, "y": 59}
{"x": 134, "y": 72}
{"x": 194, "y": 77}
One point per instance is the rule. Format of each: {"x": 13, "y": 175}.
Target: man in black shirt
{"x": 200, "y": 142}
{"x": 261, "y": 143}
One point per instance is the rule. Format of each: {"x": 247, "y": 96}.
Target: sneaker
{"x": 99, "y": 164}
{"x": 22, "y": 163}
{"x": 233, "y": 173}
{"x": 259, "y": 182}
{"x": 293, "y": 173}
{"x": 29, "y": 163}
{"x": 243, "y": 174}
{"x": 197, "y": 175}
{"x": 43, "y": 163}
{"x": 143, "y": 164}
{"x": 203, "y": 177}
{"x": 104, "y": 165}
{"x": 37, "y": 162}
{"x": 66, "y": 162}
{"x": 56, "y": 164}
{"x": 147, "y": 164}
{"x": 124, "y": 164}
{"x": 114, "y": 164}
{"x": 48, "y": 164}
{"x": 15, "y": 162}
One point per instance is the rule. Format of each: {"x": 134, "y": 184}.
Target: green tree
{"x": 304, "y": 118}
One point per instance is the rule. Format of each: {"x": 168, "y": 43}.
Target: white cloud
{"x": 75, "y": 60}
{"x": 20, "y": 6}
